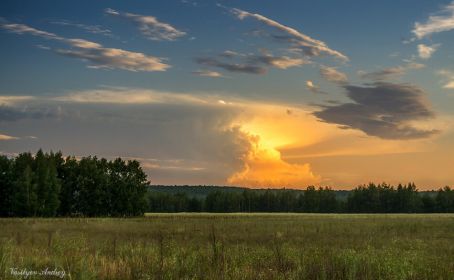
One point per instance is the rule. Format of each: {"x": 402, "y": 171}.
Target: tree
{"x": 6, "y": 185}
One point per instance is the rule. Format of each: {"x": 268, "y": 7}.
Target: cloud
{"x": 384, "y": 110}
{"x": 198, "y": 131}
{"x": 333, "y": 75}
{"x": 207, "y": 73}
{"x": 128, "y": 96}
{"x": 149, "y": 26}
{"x": 390, "y": 72}
{"x": 96, "y": 54}
{"x": 425, "y": 51}
{"x": 111, "y": 58}
{"x": 313, "y": 88}
{"x": 264, "y": 167}
{"x": 4, "y": 137}
{"x": 449, "y": 78}
{"x": 94, "y": 29}
{"x": 310, "y": 46}
{"x": 250, "y": 63}
{"x": 181, "y": 138}
{"x": 280, "y": 62}
{"x": 8, "y": 114}
{"x": 231, "y": 67}
{"x": 439, "y": 22}
{"x": 21, "y": 29}
{"x": 8, "y": 100}
{"x": 229, "y": 54}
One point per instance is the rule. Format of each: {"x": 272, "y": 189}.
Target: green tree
{"x": 6, "y": 185}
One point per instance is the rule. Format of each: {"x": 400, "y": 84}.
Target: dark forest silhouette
{"x": 48, "y": 185}
{"x": 381, "y": 198}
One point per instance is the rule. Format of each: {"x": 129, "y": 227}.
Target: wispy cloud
{"x": 208, "y": 73}
{"x": 113, "y": 58}
{"x": 385, "y": 110}
{"x": 425, "y": 51}
{"x": 313, "y": 88}
{"x": 390, "y": 72}
{"x": 19, "y": 28}
{"x": 94, "y": 29}
{"x": 333, "y": 75}
{"x": 98, "y": 55}
{"x": 439, "y": 22}
{"x": 10, "y": 113}
{"x": 150, "y": 26}
{"x": 250, "y": 63}
{"x": 129, "y": 96}
{"x": 8, "y": 100}
{"x": 280, "y": 62}
{"x": 4, "y": 137}
{"x": 448, "y": 77}
{"x": 310, "y": 46}
{"x": 231, "y": 67}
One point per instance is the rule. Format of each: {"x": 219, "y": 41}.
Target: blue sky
{"x": 242, "y": 74}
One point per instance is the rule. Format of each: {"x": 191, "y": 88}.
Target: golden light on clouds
{"x": 249, "y": 143}
{"x": 285, "y": 141}
{"x": 270, "y": 128}
{"x": 264, "y": 167}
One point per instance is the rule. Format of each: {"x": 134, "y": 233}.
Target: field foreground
{"x": 231, "y": 246}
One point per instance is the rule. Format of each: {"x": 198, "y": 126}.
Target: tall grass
{"x": 233, "y": 246}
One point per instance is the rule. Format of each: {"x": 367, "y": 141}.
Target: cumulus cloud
{"x": 264, "y": 167}
{"x": 333, "y": 75}
{"x": 310, "y": 46}
{"x": 390, "y": 72}
{"x": 425, "y": 51}
{"x": 194, "y": 139}
{"x": 181, "y": 138}
{"x": 448, "y": 77}
{"x": 439, "y": 22}
{"x": 96, "y": 54}
{"x": 150, "y": 26}
{"x": 207, "y": 73}
{"x": 384, "y": 110}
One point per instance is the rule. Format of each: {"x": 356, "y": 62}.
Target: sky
{"x": 243, "y": 93}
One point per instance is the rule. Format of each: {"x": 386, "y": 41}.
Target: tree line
{"x": 48, "y": 185}
{"x": 381, "y": 198}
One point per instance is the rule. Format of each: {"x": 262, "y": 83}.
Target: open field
{"x": 233, "y": 246}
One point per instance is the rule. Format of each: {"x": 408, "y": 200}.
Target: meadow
{"x": 232, "y": 246}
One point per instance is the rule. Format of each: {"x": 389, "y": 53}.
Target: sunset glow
{"x": 233, "y": 93}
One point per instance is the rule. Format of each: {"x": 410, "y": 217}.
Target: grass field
{"x": 232, "y": 246}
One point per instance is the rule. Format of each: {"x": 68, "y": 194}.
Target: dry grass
{"x": 233, "y": 246}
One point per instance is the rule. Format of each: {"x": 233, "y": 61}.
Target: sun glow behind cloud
{"x": 265, "y": 98}
{"x": 262, "y": 144}
{"x": 270, "y": 127}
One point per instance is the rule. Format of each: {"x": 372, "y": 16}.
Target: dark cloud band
{"x": 384, "y": 110}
